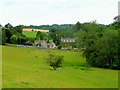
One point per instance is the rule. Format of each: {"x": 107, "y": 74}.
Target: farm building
{"x": 31, "y": 29}
{"x": 67, "y": 43}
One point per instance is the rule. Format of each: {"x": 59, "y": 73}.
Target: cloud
{"x": 7, "y": 2}
{"x": 57, "y": 11}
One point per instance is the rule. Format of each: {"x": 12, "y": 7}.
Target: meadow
{"x": 31, "y": 34}
{"x": 26, "y": 68}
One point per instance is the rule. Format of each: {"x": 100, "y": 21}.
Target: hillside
{"x": 26, "y": 68}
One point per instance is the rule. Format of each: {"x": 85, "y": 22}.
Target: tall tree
{"x": 77, "y": 27}
{"x": 8, "y": 35}
{"x": 8, "y": 25}
{"x": 100, "y": 47}
{"x": 3, "y": 37}
{"x": 40, "y": 36}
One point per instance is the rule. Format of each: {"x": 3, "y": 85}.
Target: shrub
{"x": 54, "y": 61}
{"x": 14, "y": 39}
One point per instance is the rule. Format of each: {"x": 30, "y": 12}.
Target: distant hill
{"x": 48, "y": 27}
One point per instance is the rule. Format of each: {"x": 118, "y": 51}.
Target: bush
{"x": 29, "y": 43}
{"x": 54, "y": 61}
{"x": 59, "y": 46}
{"x": 14, "y": 39}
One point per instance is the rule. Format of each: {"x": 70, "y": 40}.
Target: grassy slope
{"x": 30, "y": 33}
{"x": 22, "y": 69}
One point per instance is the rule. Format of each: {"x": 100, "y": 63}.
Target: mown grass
{"x": 26, "y": 68}
{"x": 30, "y": 33}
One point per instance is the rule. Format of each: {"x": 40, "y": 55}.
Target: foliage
{"x": 106, "y": 50}
{"x": 3, "y": 37}
{"x": 39, "y": 36}
{"x": 115, "y": 25}
{"x": 117, "y": 18}
{"x": 77, "y": 27}
{"x": 22, "y": 39}
{"x": 14, "y": 39}
{"x": 49, "y": 27}
{"x": 61, "y": 45}
{"x": 8, "y": 35}
{"x": 54, "y": 61}
{"x": 29, "y": 41}
{"x": 8, "y": 25}
{"x": 100, "y": 47}
{"x": 17, "y": 29}
{"x": 42, "y": 36}
{"x": 61, "y": 32}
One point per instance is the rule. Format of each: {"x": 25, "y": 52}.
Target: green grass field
{"x": 30, "y": 34}
{"x": 25, "y": 68}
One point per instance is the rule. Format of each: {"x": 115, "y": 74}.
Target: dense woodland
{"x": 100, "y": 43}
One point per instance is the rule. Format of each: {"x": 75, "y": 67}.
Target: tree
{"x": 117, "y": 18}
{"x": 8, "y": 29}
{"x": 100, "y": 47}
{"x": 8, "y": 35}
{"x": 106, "y": 50}
{"x": 77, "y": 27}
{"x": 4, "y": 38}
{"x": 14, "y": 39}
{"x": 8, "y": 25}
{"x": 42, "y": 36}
{"x": 54, "y": 61}
{"x": 39, "y": 35}
{"x": 17, "y": 29}
{"x": 29, "y": 41}
{"x": 116, "y": 24}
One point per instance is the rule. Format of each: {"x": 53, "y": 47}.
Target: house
{"x": 44, "y": 44}
{"x": 69, "y": 40}
{"x": 67, "y": 43}
{"x": 52, "y": 45}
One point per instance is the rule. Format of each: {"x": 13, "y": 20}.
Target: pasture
{"x": 25, "y": 68}
{"x": 31, "y": 34}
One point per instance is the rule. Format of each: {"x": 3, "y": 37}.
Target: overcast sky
{"x": 39, "y": 12}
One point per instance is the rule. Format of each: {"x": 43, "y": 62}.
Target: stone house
{"x": 68, "y": 40}
{"x": 52, "y": 45}
{"x": 41, "y": 43}
{"x": 44, "y": 44}
{"x": 67, "y": 43}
